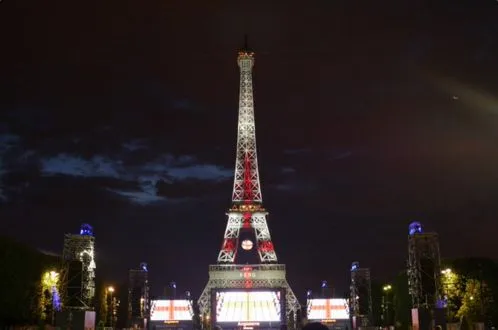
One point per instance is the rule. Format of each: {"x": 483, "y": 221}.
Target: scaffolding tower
{"x": 138, "y": 296}
{"x": 78, "y": 269}
{"x": 424, "y": 268}
{"x": 360, "y": 296}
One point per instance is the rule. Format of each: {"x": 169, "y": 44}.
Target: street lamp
{"x": 446, "y": 271}
{"x": 449, "y": 280}
{"x": 110, "y": 289}
{"x": 385, "y": 303}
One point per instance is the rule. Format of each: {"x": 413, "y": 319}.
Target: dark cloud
{"x": 166, "y": 169}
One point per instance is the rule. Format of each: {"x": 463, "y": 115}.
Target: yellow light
{"x": 110, "y": 289}
{"x": 447, "y": 271}
{"x": 387, "y": 287}
{"x": 50, "y": 278}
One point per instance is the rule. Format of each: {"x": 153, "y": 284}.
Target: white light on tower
{"x": 247, "y": 244}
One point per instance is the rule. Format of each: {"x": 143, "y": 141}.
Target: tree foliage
{"x": 475, "y": 300}
{"x": 21, "y": 269}
{"x": 453, "y": 287}
{"x": 471, "y": 288}
{"x": 102, "y": 303}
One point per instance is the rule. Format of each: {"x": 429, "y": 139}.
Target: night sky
{"x": 369, "y": 115}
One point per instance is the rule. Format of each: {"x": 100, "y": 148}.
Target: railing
{"x": 261, "y": 267}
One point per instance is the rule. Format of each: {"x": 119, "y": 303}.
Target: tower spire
{"x": 246, "y": 186}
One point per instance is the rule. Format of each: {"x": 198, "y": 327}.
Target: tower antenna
{"x": 246, "y": 43}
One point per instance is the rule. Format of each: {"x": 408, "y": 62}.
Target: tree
{"x": 475, "y": 301}
{"x": 49, "y": 298}
{"x": 472, "y": 289}
{"x": 453, "y": 285}
{"x": 21, "y": 270}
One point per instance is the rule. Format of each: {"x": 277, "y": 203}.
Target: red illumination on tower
{"x": 247, "y": 274}
{"x": 247, "y": 220}
{"x": 247, "y": 258}
{"x": 248, "y": 193}
{"x": 247, "y": 212}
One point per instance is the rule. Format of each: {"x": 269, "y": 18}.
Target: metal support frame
{"x": 257, "y": 221}
{"x": 138, "y": 286}
{"x": 361, "y": 290}
{"x": 424, "y": 270}
{"x": 235, "y": 277}
{"x": 80, "y": 248}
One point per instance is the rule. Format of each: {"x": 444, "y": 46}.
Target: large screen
{"x": 170, "y": 310}
{"x": 328, "y": 309}
{"x": 248, "y": 306}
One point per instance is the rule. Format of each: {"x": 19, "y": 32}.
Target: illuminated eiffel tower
{"x": 247, "y": 260}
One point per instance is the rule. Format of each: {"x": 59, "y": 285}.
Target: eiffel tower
{"x": 247, "y": 260}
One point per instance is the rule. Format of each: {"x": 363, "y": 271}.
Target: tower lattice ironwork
{"x": 138, "y": 296}
{"x": 247, "y": 213}
{"x": 79, "y": 269}
{"x": 424, "y": 267}
{"x": 360, "y": 300}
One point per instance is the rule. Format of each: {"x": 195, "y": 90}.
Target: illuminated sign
{"x": 247, "y": 274}
{"x": 248, "y": 307}
{"x": 328, "y": 309}
{"x": 171, "y": 310}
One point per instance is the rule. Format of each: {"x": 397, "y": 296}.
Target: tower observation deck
{"x": 247, "y": 277}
